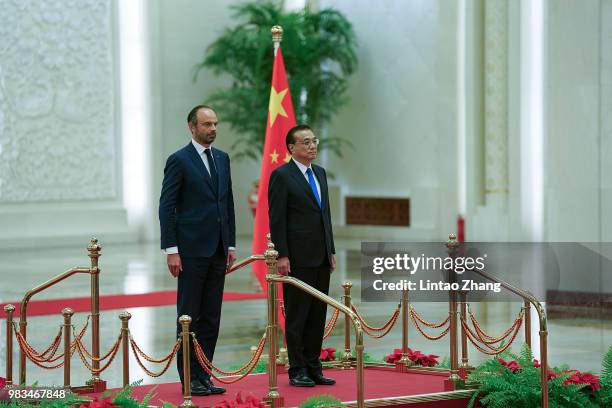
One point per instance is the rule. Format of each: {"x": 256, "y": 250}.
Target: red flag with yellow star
{"x": 280, "y": 119}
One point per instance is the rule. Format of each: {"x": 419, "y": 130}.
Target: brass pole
{"x": 347, "y": 355}
{"x": 273, "y": 397}
{"x": 9, "y": 309}
{"x": 67, "y": 313}
{"x": 94, "y": 253}
{"x": 527, "y": 309}
{"x": 544, "y": 367}
{"x": 359, "y": 364}
{"x": 185, "y": 320}
{"x": 464, "y": 344}
{"x": 404, "y": 304}
{"x": 453, "y": 245}
{"x": 125, "y": 332}
{"x": 23, "y": 323}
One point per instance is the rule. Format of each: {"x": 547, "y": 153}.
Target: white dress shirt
{"x": 303, "y": 169}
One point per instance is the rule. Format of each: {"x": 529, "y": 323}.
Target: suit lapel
{"x": 197, "y": 160}
{"x": 301, "y": 180}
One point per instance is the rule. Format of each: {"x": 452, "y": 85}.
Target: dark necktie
{"x": 313, "y": 185}
{"x": 212, "y": 170}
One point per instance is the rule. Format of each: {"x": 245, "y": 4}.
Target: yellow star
{"x": 274, "y": 156}
{"x": 287, "y": 157}
{"x": 276, "y": 104}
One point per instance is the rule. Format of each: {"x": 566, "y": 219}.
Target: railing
{"x": 528, "y": 299}
{"x": 271, "y": 257}
{"x": 93, "y": 250}
{"x": 457, "y": 316}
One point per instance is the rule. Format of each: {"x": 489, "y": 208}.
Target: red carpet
{"x": 111, "y": 302}
{"x": 379, "y": 383}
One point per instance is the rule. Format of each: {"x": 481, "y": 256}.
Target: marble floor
{"x": 127, "y": 269}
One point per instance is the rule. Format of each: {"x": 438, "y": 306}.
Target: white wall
{"x": 60, "y": 157}
{"x": 402, "y": 115}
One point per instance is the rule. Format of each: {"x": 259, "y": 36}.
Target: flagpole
{"x": 277, "y": 37}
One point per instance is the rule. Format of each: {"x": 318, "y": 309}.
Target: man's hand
{"x": 174, "y": 264}
{"x": 231, "y": 258}
{"x": 333, "y": 263}
{"x": 283, "y": 266}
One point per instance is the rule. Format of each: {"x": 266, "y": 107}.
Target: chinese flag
{"x": 280, "y": 119}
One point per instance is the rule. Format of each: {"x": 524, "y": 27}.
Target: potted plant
{"x": 319, "y": 50}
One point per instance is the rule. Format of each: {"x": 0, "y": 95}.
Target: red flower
{"x": 249, "y": 402}
{"x": 394, "y": 357}
{"x": 416, "y": 357}
{"x": 105, "y": 403}
{"x": 536, "y": 363}
{"x": 2, "y": 382}
{"x": 584, "y": 378}
{"x": 511, "y": 365}
{"x": 327, "y": 354}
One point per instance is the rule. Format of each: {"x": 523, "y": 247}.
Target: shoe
{"x": 212, "y": 387}
{"x": 199, "y": 389}
{"x": 320, "y": 380}
{"x": 301, "y": 380}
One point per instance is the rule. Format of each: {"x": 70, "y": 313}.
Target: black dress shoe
{"x": 301, "y": 380}
{"x": 199, "y": 389}
{"x": 212, "y": 387}
{"x": 320, "y": 380}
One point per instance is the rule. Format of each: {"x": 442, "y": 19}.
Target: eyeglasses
{"x": 309, "y": 142}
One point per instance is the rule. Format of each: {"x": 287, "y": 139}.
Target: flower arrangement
{"x": 515, "y": 380}
{"x": 249, "y": 402}
{"x": 418, "y": 358}
{"x": 327, "y": 354}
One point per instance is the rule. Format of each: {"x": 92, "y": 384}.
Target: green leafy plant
{"x": 323, "y": 400}
{"x": 517, "y": 383}
{"x": 319, "y": 50}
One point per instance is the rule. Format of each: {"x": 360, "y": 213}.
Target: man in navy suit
{"x": 301, "y": 229}
{"x": 198, "y": 235}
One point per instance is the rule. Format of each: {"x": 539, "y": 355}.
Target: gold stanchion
{"x": 527, "y": 308}
{"x": 405, "y": 360}
{"x": 453, "y": 380}
{"x": 347, "y": 356}
{"x": 67, "y": 313}
{"x": 464, "y": 346}
{"x": 185, "y": 320}
{"x": 9, "y": 309}
{"x": 125, "y": 332}
{"x": 273, "y": 397}
{"x": 94, "y": 254}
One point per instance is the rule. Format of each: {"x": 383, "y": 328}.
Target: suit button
{"x": 218, "y": 219}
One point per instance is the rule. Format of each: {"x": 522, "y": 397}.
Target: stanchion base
{"x": 97, "y": 386}
{"x": 403, "y": 367}
{"x": 453, "y": 385}
{"x": 277, "y": 403}
{"x": 465, "y": 371}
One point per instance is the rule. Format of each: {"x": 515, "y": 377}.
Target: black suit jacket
{"x": 300, "y": 229}
{"x": 192, "y": 215}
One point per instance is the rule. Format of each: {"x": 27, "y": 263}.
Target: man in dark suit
{"x": 198, "y": 234}
{"x": 301, "y": 229}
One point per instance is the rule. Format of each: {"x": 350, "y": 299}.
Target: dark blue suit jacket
{"x": 192, "y": 215}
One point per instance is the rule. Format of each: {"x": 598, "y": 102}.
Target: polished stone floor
{"x": 579, "y": 342}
